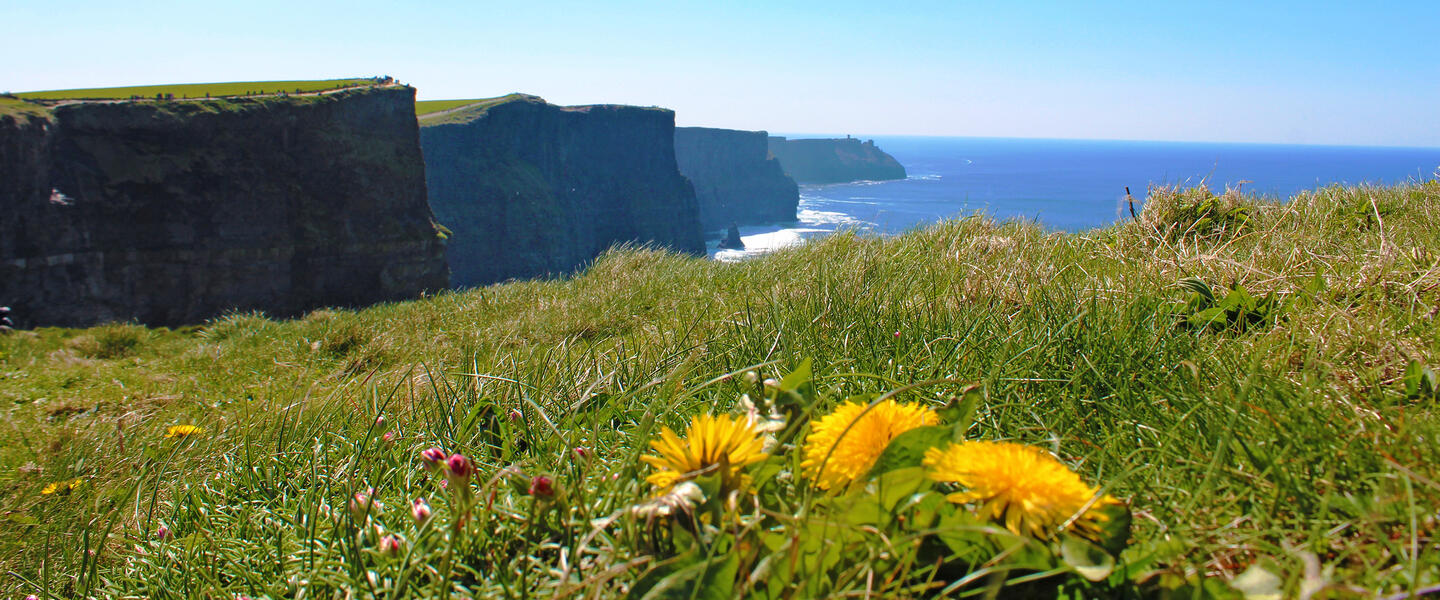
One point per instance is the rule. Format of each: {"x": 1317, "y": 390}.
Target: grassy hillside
{"x": 1248, "y": 377}
{"x": 15, "y": 106}
{"x": 436, "y": 112}
{"x": 197, "y": 90}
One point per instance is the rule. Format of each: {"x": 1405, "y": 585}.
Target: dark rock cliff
{"x": 532, "y": 189}
{"x": 736, "y": 180}
{"x": 835, "y": 160}
{"x": 175, "y": 212}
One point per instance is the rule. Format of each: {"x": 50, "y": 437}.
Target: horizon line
{"x": 1080, "y": 139}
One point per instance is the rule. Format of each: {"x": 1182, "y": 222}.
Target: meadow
{"x": 1247, "y": 385}
{"x": 434, "y": 112}
{"x": 197, "y": 90}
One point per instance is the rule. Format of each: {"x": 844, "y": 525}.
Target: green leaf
{"x": 1214, "y": 315}
{"x": 21, "y": 519}
{"x": 1414, "y": 373}
{"x": 864, "y": 510}
{"x": 894, "y": 487}
{"x": 646, "y": 584}
{"x": 908, "y": 449}
{"x": 1142, "y": 557}
{"x": 798, "y": 377}
{"x": 960, "y": 412}
{"x": 1090, "y": 561}
{"x": 1114, "y": 526}
{"x": 1198, "y": 286}
{"x": 1243, "y": 299}
{"x": 963, "y": 534}
{"x": 763, "y": 473}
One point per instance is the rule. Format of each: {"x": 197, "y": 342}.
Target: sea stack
{"x": 736, "y": 180}
{"x": 818, "y": 161}
{"x": 533, "y": 189}
{"x": 173, "y": 212}
{"x": 732, "y": 239}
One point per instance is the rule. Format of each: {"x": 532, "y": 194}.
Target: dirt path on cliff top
{"x": 275, "y": 95}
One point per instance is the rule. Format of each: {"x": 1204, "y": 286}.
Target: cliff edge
{"x": 175, "y": 212}
{"x": 735, "y": 178}
{"x": 835, "y": 160}
{"x": 532, "y": 189}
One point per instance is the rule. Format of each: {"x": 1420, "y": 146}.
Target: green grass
{"x": 1289, "y": 444}
{"x": 17, "y": 107}
{"x": 197, "y": 90}
{"x": 426, "y": 109}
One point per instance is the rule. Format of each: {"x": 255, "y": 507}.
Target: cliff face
{"x": 735, "y": 179}
{"x": 174, "y": 212}
{"x": 532, "y": 189}
{"x": 835, "y": 160}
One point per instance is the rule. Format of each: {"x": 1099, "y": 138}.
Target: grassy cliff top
{"x": 445, "y": 112}
{"x": 199, "y": 90}
{"x": 1254, "y": 379}
{"x": 17, "y": 107}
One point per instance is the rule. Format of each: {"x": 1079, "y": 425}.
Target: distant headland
{"x": 837, "y": 160}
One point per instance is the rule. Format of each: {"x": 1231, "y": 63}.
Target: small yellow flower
{"x": 182, "y": 431}
{"x": 724, "y": 444}
{"x": 837, "y": 452}
{"x": 1024, "y": 487}
{"x": 61, "y": 487}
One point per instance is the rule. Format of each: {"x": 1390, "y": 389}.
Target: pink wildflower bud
{"x": 582, "y": 453}
{"x": 388, "y": 437}
{"x": 32, "y": 597}
{"x": 433, "y": 457}
{"x": 420, "y": 509}
{"x": 458, "y": 469}
{"x": 515, "y": 415}
{"x": 163, "y": 533}
{"x": 897, "y": 334}
{"x": 380, "y": 421}
{"x": 362, "y": 505}
{"x": 542, "y": 487}
{"x": 390, "y": 546}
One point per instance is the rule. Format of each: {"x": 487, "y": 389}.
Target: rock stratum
{"x": 735, "y": 178}
{"x": 821, "y": 161}
{"x": 175, "y": 212}
{"x": 533, "y": 189}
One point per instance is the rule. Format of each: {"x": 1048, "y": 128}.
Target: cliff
{"x": 735, "y": 178}
{"x": 531, "y": 189}
{"x": 175, "y": 212}
{"x": 835, "y": 160}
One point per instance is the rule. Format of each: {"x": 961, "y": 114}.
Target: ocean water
{"x": 1066, "y": 185}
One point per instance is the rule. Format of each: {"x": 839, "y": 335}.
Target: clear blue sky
{"x": 1296, "y": 72}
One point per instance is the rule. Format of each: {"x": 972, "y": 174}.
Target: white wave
{"x": 764, "y": 241}
{"x": 824, "y": 217}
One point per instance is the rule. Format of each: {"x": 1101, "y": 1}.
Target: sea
{"x": 1064, "y": 185}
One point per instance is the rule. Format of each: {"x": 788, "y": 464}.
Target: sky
{"x": 1273, "y": 72}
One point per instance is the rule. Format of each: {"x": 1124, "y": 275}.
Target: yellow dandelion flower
{"x": 711, "y": 444}
{"x": 61, "y": 487}
{"x": 1024, "y": 487}
{"x": 843, "y": 445}
{"x": 182, "y": 431}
